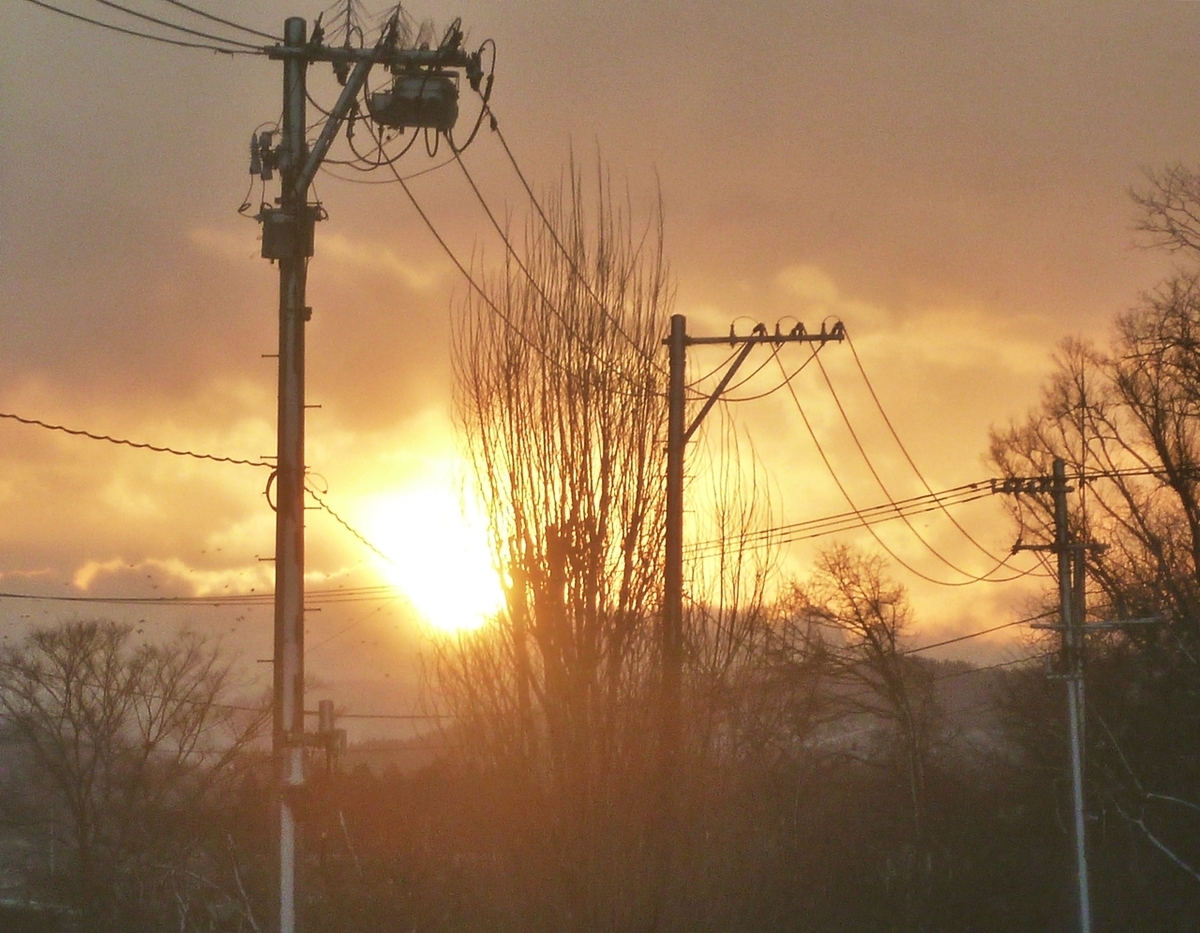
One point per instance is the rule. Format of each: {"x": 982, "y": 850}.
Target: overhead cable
{"x": 138, "y": 445}
{"x": 224, "y": 22}
{"x": 181, "y": 43}
{"x": 904, "y": 450}
{"x": 495, "y": 126}
{"x": 883, "y": 487}
{"x": 146, "y": 17}
{"x": 850, "y": 501}
{"x": 571, "y": 331}
{"x": 981, "y": 632}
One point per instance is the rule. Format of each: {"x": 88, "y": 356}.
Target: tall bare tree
{"x": 560, "y": 389}
{"x": 561, "y": 398}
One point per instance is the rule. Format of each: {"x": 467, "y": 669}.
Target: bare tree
{"x": 1125, "y": 416}
{"x": 561, "y": 399}
{"x": 869, "y": 616}
{"x": 1170, "y": 203}
{"x": 133, "y": 745}
{"x": 560, "y": 393}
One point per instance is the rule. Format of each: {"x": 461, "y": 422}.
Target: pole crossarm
{"x": 393, "y": 58}
{"x": 798, "y": 334}
{"x": 759, "y": 335}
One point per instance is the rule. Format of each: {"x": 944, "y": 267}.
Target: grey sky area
{"x": 949, "y": 179}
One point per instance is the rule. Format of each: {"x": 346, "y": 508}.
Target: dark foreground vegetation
{"x": 821, "y": 775}
{"x": 904, "y": 795}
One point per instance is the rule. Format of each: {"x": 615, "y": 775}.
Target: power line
{"x": 904, "y": 450}
{"x": 350, "y": 528}
{"x": 475, "y": 286}
{"x": 322, "y": 596}
{"x": 847, "y": 521}
{"x": 883, "y": 487}
{"x": 181, "y": 43}
{"x": 495, "y": 126}
{"x": 850, "y": 501}
{"x": 138, "y": 445}
{"x": 224, "y": 22}
{"x": 572, "y": 332}
{"x": 146, "y": 17}
{"x": 992, "y": 667}
{"x": 986, "y": 631}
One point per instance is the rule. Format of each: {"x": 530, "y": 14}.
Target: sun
{"x": 438, "y": 555}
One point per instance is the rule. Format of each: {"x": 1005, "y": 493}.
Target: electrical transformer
{"x": 426, "y": 100}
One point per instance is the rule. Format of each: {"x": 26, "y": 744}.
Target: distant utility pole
{"x": 1073, "y": 626}
{"x": 679, "y": 432}
{"x": 1071, "y": 557}
{"x": 424, "y": 94}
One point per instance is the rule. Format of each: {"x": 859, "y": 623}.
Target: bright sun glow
{"x": 439, "y": 556}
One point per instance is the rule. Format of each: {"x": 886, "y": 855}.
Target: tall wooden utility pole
{"x": 679, "y": 432}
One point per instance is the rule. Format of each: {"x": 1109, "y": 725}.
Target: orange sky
{"x": 950, "y": 179}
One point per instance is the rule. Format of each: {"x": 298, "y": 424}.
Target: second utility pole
{"x": 678, "y": 434}
{"x": 1072, "y": 568}
{"x": 1071, "y": 612}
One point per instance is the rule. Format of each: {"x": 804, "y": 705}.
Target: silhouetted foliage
{"x": 1126, "y": 417}
{"x": 134, "y": 753}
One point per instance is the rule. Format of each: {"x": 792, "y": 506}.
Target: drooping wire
{"x": 475, "y": 286}
{"x": 848, "y": 521}
{"x": 992, "y": 667}
{"x": 813, "y": 351}
{"x": 354, "y": 594}
{"x": 180, "y": 43}
{"x": 904, "y": 450}
{"x": 716, "y": 369}
{"x": 480, "y": 291}
{"x": 123, "y": 442}
{"x": 485, "y": 96}
{"x": 850, "y": 501}
{"x": 309, "y": 649}
{"x": 980, "y": 632}
{"x": 362, "y": 539}
{"x": 146, "y": 17}
{"x": 224, "y": 22}
{"x": 385, "y": 181}
{"x": 571, "y": 331}
{"x": 883, "y": 487}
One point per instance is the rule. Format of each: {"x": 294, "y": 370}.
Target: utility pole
{"x": 1071, "y": 558}
{"x": 424, "y": 95}
{"x": 294, "y": 222}
{"x": 1073, "y": 627}
{"x": 679, "y": 432}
